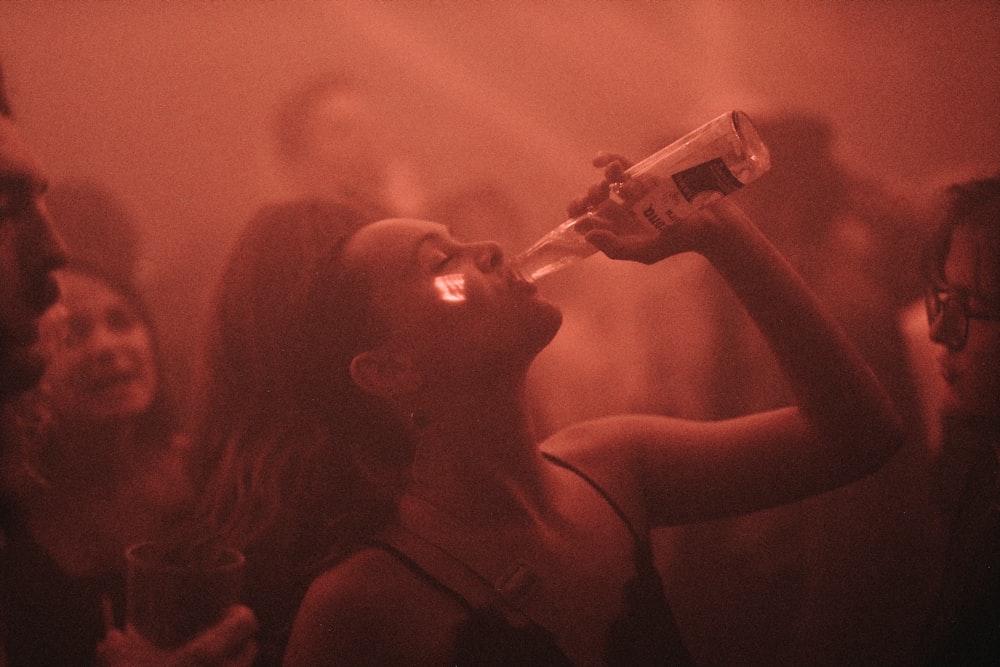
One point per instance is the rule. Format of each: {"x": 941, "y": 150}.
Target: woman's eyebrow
{"x": 442, "y": 237}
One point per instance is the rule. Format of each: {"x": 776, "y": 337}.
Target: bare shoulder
{"x": 610, "y": 452}
{"x": 373, "y": 609}
{"x": 615, "y": 441}
{"x": 363, "y": 575}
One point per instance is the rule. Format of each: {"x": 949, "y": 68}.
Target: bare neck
{"x": 477, "y": 456}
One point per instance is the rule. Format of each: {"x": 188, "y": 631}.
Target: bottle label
{"x": 677, "y": 197}
{"x": 713, "y": 175}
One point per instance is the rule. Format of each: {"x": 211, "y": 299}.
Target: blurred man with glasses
{"x": 963, "y": 312}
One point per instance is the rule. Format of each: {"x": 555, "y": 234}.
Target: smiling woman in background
{"x": 98, "y": 470}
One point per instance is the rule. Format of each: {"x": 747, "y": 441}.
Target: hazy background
{"x": 169, "y": 105}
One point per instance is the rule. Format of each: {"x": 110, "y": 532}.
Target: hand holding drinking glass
{"x": 228, "y": 643}
{"x": 182, "y": 609}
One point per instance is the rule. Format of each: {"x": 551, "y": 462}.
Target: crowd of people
{"x": 365, "y": 423}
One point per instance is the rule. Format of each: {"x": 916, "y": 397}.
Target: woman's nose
{"x": 46, "y": 247}
{"x": 489, "y": 255}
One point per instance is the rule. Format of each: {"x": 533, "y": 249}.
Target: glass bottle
{"x": 701, "y": 167}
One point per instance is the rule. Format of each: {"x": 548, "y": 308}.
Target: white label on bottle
{"x": 684, "y": 192}
{"x": 713, "y": 175}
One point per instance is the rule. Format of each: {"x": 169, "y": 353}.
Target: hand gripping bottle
{"x": 701, "y": 167}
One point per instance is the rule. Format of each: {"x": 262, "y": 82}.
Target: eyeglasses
{"x": 949, "y": 310}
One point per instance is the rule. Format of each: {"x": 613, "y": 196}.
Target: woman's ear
{"x": 385, "y": 373}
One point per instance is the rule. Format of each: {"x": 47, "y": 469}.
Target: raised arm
{"x": 842, "y": 427}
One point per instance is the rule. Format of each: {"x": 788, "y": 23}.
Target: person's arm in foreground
{"x": 843, "y": 426}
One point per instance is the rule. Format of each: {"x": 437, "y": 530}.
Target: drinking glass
{"x": 173, "y": 595}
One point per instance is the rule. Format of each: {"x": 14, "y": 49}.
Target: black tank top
{"x": 645, "y": 634}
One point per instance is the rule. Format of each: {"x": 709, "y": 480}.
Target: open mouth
{"x": 520, "y": 283}
{"x": 111, "y": 381}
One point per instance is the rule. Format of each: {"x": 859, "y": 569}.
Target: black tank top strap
{"x": 446, "y": 572}
{"x": 494, "y": 632}
{"x": 647, "y": 634}
{"x": 597, "y": 487}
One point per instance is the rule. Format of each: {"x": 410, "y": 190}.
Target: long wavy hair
{"x": 294, "y": 465}
{"x": 286, "y": 454}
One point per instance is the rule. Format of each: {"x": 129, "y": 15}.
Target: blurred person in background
{"x": 30, "y": 250}
{"x": 333, "y": 142}
{"x": 962, "y": 304}
{"x": 98, "y": 225}
{"x": 32, "y": 492}
{"x": 99, "y": 467}
{"x": 97, "y": 471}
{"x": 268, "y": 471}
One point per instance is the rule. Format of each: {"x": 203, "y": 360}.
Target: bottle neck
{"x": 562, "y": 246}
